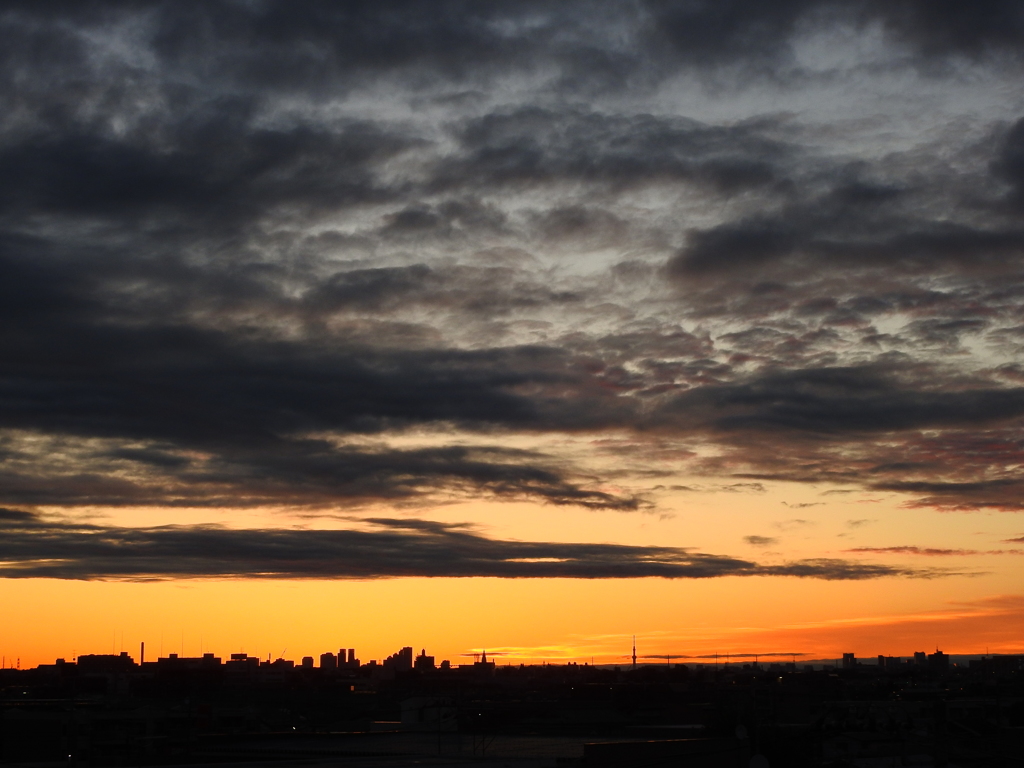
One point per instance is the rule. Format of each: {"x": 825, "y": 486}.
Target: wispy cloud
{"x": 860, "y": 522}
{"x": 793, "y": 523}
{"x": 930, "y": 551}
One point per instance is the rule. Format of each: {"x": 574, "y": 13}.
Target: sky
{"x": 524, "y": 326}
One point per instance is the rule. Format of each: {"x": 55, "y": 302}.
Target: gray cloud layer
{"x": 244, "y": 248}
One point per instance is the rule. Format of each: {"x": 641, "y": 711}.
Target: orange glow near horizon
{"x": 535, "y": 620}
{"x": 529, "y": 620}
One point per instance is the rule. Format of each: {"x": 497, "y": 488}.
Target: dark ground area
{"x": 109, "y": 711}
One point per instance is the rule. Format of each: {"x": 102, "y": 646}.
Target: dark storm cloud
{"x": 536, "y": 146}
{"x": 954, "y": 466}
{"x": 882, "y": 227}
{"x": 245, "y": 53}
{"x": 83, "y": 357}
{"x": 708, "y": 32}
{"x": 809, "y": 236}
{"x": 208, "y": 259}
{"x": 208, "y": 388}
{"x": 834, "y": 401}
{"x": 212, "y": 172}
{"x": 305, "y": 473}
{"x": 316, "y": 45}
{"x": 33, "y": 547}
{"x": 939, "y": 28}
{"x": 80, "y": 360}
{"x": 1009, "y": 164}
{"x": 309, "y": 45}
{"x": 14, "y": 517}
{"x": 491, "y": 291}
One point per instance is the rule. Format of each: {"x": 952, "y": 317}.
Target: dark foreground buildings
{"x": 109, "y": 710}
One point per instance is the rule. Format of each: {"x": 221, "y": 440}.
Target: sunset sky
{"x": 526, "y": 326}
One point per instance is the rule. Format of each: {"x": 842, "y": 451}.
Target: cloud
{"x": 950, "y": 444}
{"x": 931, "y": 551}
{"x": 247, "y": 250}
{"x": 805, "y": 239}
{"x": 743, "y": 488}
{"x": 760, "y": 541}
{"x": 37, "y": 547}
{"x": 302, "y": 473}
{"x": 838, "y": 400}
{"x": 1009, "y": 163}
{"x": 749, "y": 32}
{"x": 532, "y": 146}
{"x": 796, "y": 522}
{"x": 304, "y": 46}
{"x": 927, "y": 551}
{"x": 16, "y": 516}
{"x": 834, "y": 569}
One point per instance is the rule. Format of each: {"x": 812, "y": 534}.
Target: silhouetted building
{"x": 307, "y": 662}
{"x": 105, "y": 663}
{"x": 484, "y": 665}
{"x": 241, "y": 665}
{"x": 174, "y": 662}
{"x": 328, "y": 661}
{"x": 400, "y": 661}
{"x": 849, "y": 661}
{"x": 921, "y": 658}
{"x": 938, "y": 662}
{"x": 122, "y": 713}
{"x": 424, "y": 662}
{"x": 998, "y": 664}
